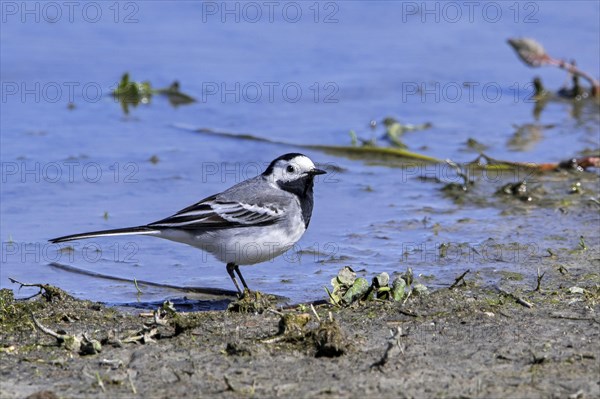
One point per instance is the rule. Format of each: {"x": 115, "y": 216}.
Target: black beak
{"x": 316, "y": 172}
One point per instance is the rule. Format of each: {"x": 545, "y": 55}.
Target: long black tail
{"x": 107, "y": 233}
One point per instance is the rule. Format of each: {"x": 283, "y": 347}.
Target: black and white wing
{"x": 215, "y": 213}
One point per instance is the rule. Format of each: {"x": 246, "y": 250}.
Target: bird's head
{"x": 293, "y": 172}
{"x": 290, "y": 167}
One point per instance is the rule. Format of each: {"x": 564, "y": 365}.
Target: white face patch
{"x": 293, "y": 169}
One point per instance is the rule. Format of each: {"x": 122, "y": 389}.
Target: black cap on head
{"x": 285, "y": 157}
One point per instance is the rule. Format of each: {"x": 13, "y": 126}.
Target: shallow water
{"x": 87, "y": 168}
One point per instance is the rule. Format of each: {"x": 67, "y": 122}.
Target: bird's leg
{"x": 230, "y": 268}
{"x": 237, "y": 269}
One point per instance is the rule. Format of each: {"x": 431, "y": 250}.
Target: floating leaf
{"x": 381, "y": 280}
{"x": 357, "y": 291}
{"x": 395, "y": 129}
{"x": 398, "y": 289}
{"x": 130, "y": 92}
{"x": 362, "y": 152}
{"x": 408, "y": 276}
{"x": 175, "y": 96}
{"x": 346, "y": 276}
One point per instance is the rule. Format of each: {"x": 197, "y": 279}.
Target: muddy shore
{"x": 474, "y": 340}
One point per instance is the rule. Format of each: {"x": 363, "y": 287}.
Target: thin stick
{"x": 99, "y": 381}
{"x": 42, "y": 287}
{"x": 137, "y": 287}
{"x": 131, "y": 383}
{"x": 571, "y": 68}
{"x": 539, "y": 279}
{"x": 12, "y": 280}
{"x": 408, "y": 313}
{"x": 274, "y": 340}
{"x": 315, "y": 312}
{"x": 228, "y": 383}
{"x": 459, "y": 279}
{"x": 407, "y": 296}
{"x": 46, "y": 330}
{"x": 519, "y": 300}
{"x": 275, "y": 312}
{"x": 523, "y": 302}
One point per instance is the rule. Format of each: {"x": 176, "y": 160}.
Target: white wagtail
{"x": 251, "y": 222}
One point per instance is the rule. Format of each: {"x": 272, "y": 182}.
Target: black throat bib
{"x": 303, "y": 189}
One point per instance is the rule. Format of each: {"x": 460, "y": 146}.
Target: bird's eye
{"x": 291, "y": 169}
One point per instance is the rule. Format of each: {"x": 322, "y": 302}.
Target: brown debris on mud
{"x": 467, "y": 341}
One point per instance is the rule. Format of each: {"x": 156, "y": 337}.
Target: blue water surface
{"x": 305, "y": 78}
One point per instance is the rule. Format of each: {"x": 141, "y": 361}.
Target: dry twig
{"x": 539, "y": 279}
{"x": 518, "y": 299}
{"x": 459, "y": 279}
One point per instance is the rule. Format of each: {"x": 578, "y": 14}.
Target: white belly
{"x": 243, "y": 245}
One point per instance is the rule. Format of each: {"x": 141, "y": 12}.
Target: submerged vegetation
{"x": 132, "y": 93}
